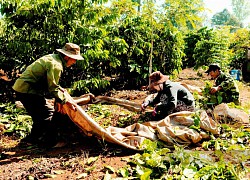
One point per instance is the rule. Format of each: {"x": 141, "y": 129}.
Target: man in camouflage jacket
{"x": 224, "y": 83}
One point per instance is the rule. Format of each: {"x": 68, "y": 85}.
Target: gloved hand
{"x": 144, "y": 105}
{"x": 154, "y": 112}
{"x": 213, "y": 90}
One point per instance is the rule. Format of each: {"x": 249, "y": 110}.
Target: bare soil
{"x": 73, "y": 161}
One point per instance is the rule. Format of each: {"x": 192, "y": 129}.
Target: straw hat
{"x": 71, "y": 50}
{"x": 157, "y": 78}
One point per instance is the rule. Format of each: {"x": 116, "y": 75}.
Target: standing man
{"x": 171, "y": 96}
{"x": 41, "y": 77}
{"x": 223, "y": 83}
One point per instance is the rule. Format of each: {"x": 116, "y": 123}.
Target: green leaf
{"x": 219, "y": 98}
{"x": 164, "y": 151}
{"x": 82, "y": 175}
{"x": 30, "y": 177}
{"x": 50, "y": 175}
{"x": 110, "y": 168}
{"x": 58, "y": 171}
{"x": 206, "y": 144}
{"x": 91, "y": 160}
{"x": 124, "y": 172}
{"x": 189, "y": 172}
{"x": 146, "y": 174}
{"x": 217, "y": 145}
{"x": 88, "y": 169}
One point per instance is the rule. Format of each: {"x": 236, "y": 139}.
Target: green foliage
{"x": 2, "y": 26}
{"x": 16, "y": 120}
{"x": 115, "y": 40}
{"x": 208, "y": 100}
{"x": 111, "y": 115}
{"x": 126, "y": 120}
{"x": 161, "y": 163}
{"x": 183, "y": 14}
{"x": 225, "y": 18}
{"x": 35, "y": 28}
{"x": 99, "y": 112}
{"x": 221, "y": 46}
{"x": 93, "y": 85}
{"x": 239, "y": 39}
{"x": 170, "y": 55}
{"x": 191, "y": 39}
{"x": 206, "y": 46}
{"x": 241, "y": 9}
{"x": 231, "y": 139}
{"x": 21, "y": 126}
{"x": 213, "y": 49}
{"x": 197, "y": 121}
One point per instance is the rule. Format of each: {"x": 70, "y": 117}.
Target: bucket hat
{"x": 71, "y": 50}
{"x": 157, "y": 78}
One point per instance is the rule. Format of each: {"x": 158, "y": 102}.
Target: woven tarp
{"x": 174, "y": 129}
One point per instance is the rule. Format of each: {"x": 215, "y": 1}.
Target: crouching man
{"x": 171, "y": 97}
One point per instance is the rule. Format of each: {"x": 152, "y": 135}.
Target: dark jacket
{"x": 172, "y": 92}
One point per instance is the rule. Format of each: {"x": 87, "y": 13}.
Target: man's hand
{"x": 144, "y": 106}
{"x": 144, "y": 88}
{"x": 154, "y": 112}
{"x": 215, "y": 89}
{"x": 71, "y": 105}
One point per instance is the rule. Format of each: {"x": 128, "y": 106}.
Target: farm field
{"x": 86, "y": 157}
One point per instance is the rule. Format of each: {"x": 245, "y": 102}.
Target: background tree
{"x": 239, "y": 41}
{"x": 183, "y": 14}
{"x": 241, "y": 9}
{"x": 35, "y": 28}
{"x": 116, "y": 41}
{"x": 139, "y": 4}
{"x": 225, "y": 18}
{"x": 150, "y": 12}
{"x": 206, "y": 46}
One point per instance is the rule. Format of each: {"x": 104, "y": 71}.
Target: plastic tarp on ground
{"x": 174, "y": 129}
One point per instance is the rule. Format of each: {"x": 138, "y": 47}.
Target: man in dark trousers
{"x": 39, "y": 78}
{"x": 171, "y": 96}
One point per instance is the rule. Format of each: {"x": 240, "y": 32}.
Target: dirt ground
{"x": 74, "y": 160}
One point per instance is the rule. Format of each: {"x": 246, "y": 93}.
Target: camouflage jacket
{"x": 229, "y": 88}
{"x": 42, "y": 76}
